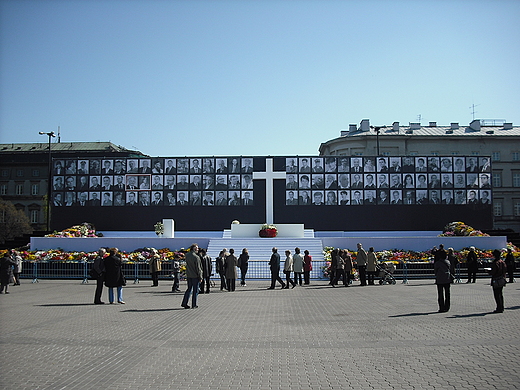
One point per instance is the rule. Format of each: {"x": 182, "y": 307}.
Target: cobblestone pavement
{"x": 310, "y": 337}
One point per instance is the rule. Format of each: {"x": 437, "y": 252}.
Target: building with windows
{"x": 24, "y": 171}
{"x": 495, "y": 140}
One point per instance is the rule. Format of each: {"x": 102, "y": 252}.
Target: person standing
{"x": 361, "y": 260}
{"x": 206, "y": 271}
{"x": 298, "y": 266}
{"x": 347, "y": 260}
{"x": 220, "y": 260}
{"x": 441, "y": 268}
{"x": 6, "y": 272}
{"x": 243, "y": 264}
{"x": 371, "y": 265}
{"x": 274, "y": 265}
{"x": 307, "y": 267}
{"x": 339, "y": 268}
{"x": 453, "y": 263}
{"x": 288, "y": 268}
{"x": 17, "y": 270}
{"x": 472, "y": 264}
{"x": 511, "y": 266}
{"x": 498, "y": 280}
{"x": 193, "y": 277}
{"x": 176, "y": 269}
{"x": 99, "y": 268}
{"x": 155, "y": 267}
{"x": 230, "y": 265}
{"x": 114, "y": 275}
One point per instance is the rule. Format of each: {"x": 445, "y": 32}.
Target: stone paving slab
{"x": 311, "y": 337}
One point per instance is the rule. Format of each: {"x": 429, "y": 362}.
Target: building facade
{"x": 497, "y": 141}
{"x": 24, "y": 172}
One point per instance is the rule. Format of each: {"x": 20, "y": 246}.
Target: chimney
{"x": 454, "y": 125}
{"x": 344, "y": 133}
{"x": 415, "y": 125}
{"x": 364, "y": 125}
{"x": 475, "y": 124}
{"x": 395, "y": 126}
{"x": 433, "y": 124}
{"x": 352, "y": 127}
{"x": 508, "y": 126}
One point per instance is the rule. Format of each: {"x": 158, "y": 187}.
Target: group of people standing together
{"x": 444, "y": 265}
{"x": 10, "y": 270}
{"x": 297, "y": 263}
{"x": 341, "y": 266}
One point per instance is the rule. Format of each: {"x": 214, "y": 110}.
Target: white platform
{"x": 129, "y": 241}
{"x": 242, "y": 230}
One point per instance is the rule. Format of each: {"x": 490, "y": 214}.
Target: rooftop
{"x": 477, "y": 127}
{"x": 65, "y": 147}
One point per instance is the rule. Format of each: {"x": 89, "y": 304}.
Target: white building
{"x": 497, "y": 139}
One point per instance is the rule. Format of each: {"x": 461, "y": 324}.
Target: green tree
{"x": 13, "y": 222}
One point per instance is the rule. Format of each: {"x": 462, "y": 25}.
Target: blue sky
{"x": 250, "y": 77}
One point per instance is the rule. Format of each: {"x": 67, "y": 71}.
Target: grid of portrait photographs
{"x": 360, "y": 180}
{"x": 189, "y": 181}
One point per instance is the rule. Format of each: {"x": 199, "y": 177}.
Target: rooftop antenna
{"x": 419, "y": 117}
{"x": 59, "y": 135}
{"x": 472, "y": 107}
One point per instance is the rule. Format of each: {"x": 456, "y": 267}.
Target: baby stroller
{"x": 385, "y": 273}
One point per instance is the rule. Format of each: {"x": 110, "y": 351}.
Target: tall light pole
{"x": 48, "y": 217}
{"x": 378, "y": 130}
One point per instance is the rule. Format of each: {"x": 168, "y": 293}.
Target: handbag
{"x": 93, "y": 273}
{"x": 500, "y": 282}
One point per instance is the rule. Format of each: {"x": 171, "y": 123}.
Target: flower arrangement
{"x": 83, "y": 230}
{"x": 159, "y": 228}
{"x": 268, "y": 231}
{"x": 457, "y": 229}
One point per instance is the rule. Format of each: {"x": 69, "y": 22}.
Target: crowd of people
{"x": 107, "y": 271}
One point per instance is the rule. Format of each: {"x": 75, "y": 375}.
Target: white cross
{"x": 269, "y": 175}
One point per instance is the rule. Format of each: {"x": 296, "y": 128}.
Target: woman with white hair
{"x": 155, "y": 267}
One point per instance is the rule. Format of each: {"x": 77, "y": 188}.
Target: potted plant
{"x": 159, "y": 228}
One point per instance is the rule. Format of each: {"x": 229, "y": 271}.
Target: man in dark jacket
{"x": 274, "y": 265}
{"x": 441, "y": 268}
{"x": 193, "y": 276}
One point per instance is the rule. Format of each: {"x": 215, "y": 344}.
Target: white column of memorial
{"x": 269, "y": 175}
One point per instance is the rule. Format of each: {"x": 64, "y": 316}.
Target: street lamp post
{"x": 48, "y": 217}
{"x": 377, "y": 130}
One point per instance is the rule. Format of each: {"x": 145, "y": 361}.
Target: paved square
{"x": 311, "y": 337}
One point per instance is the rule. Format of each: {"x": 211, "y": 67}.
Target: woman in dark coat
{"x": 498, "y": 280}
{"x": 243, "y": 264}
{"x": 114, "y": 275}
{"x": 6, "y": 272}
{"x": 230, "y": 265}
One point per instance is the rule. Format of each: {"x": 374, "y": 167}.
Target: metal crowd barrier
{"x": 404, "y": 272}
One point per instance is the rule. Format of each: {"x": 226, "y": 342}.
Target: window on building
{"x": 495, "y": 156}
{"x": 497, "y": 179}
{"x": 36, "y": 172}
{"x": 516, "y": 207}
{"x": 19, "y": 173}
{"x": 35, "y": 216}
{"x": 515, "y": 156}
{"x": 3, "y": 189}
{"x": 497, "y": 208}
{"x": 35, "y": 189}
{"x": 19, "y": 189}
{"x": 5, "y": 173}
{"x": 516, "y": 179}
{"x": 475, "y": 153}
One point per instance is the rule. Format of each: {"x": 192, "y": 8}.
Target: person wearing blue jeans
{"x": 193, "y": 276}
{"x": 114, "y": 275}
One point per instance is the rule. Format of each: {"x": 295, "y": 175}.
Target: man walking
{"x": 274, "y": 265}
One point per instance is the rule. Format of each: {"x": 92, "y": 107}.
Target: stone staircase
{"x": 260, "y": 248}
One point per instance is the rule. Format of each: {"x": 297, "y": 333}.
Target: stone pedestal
{"x": 169, "y": 228}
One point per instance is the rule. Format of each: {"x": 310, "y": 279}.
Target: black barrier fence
{"x": 403, "y": 272}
